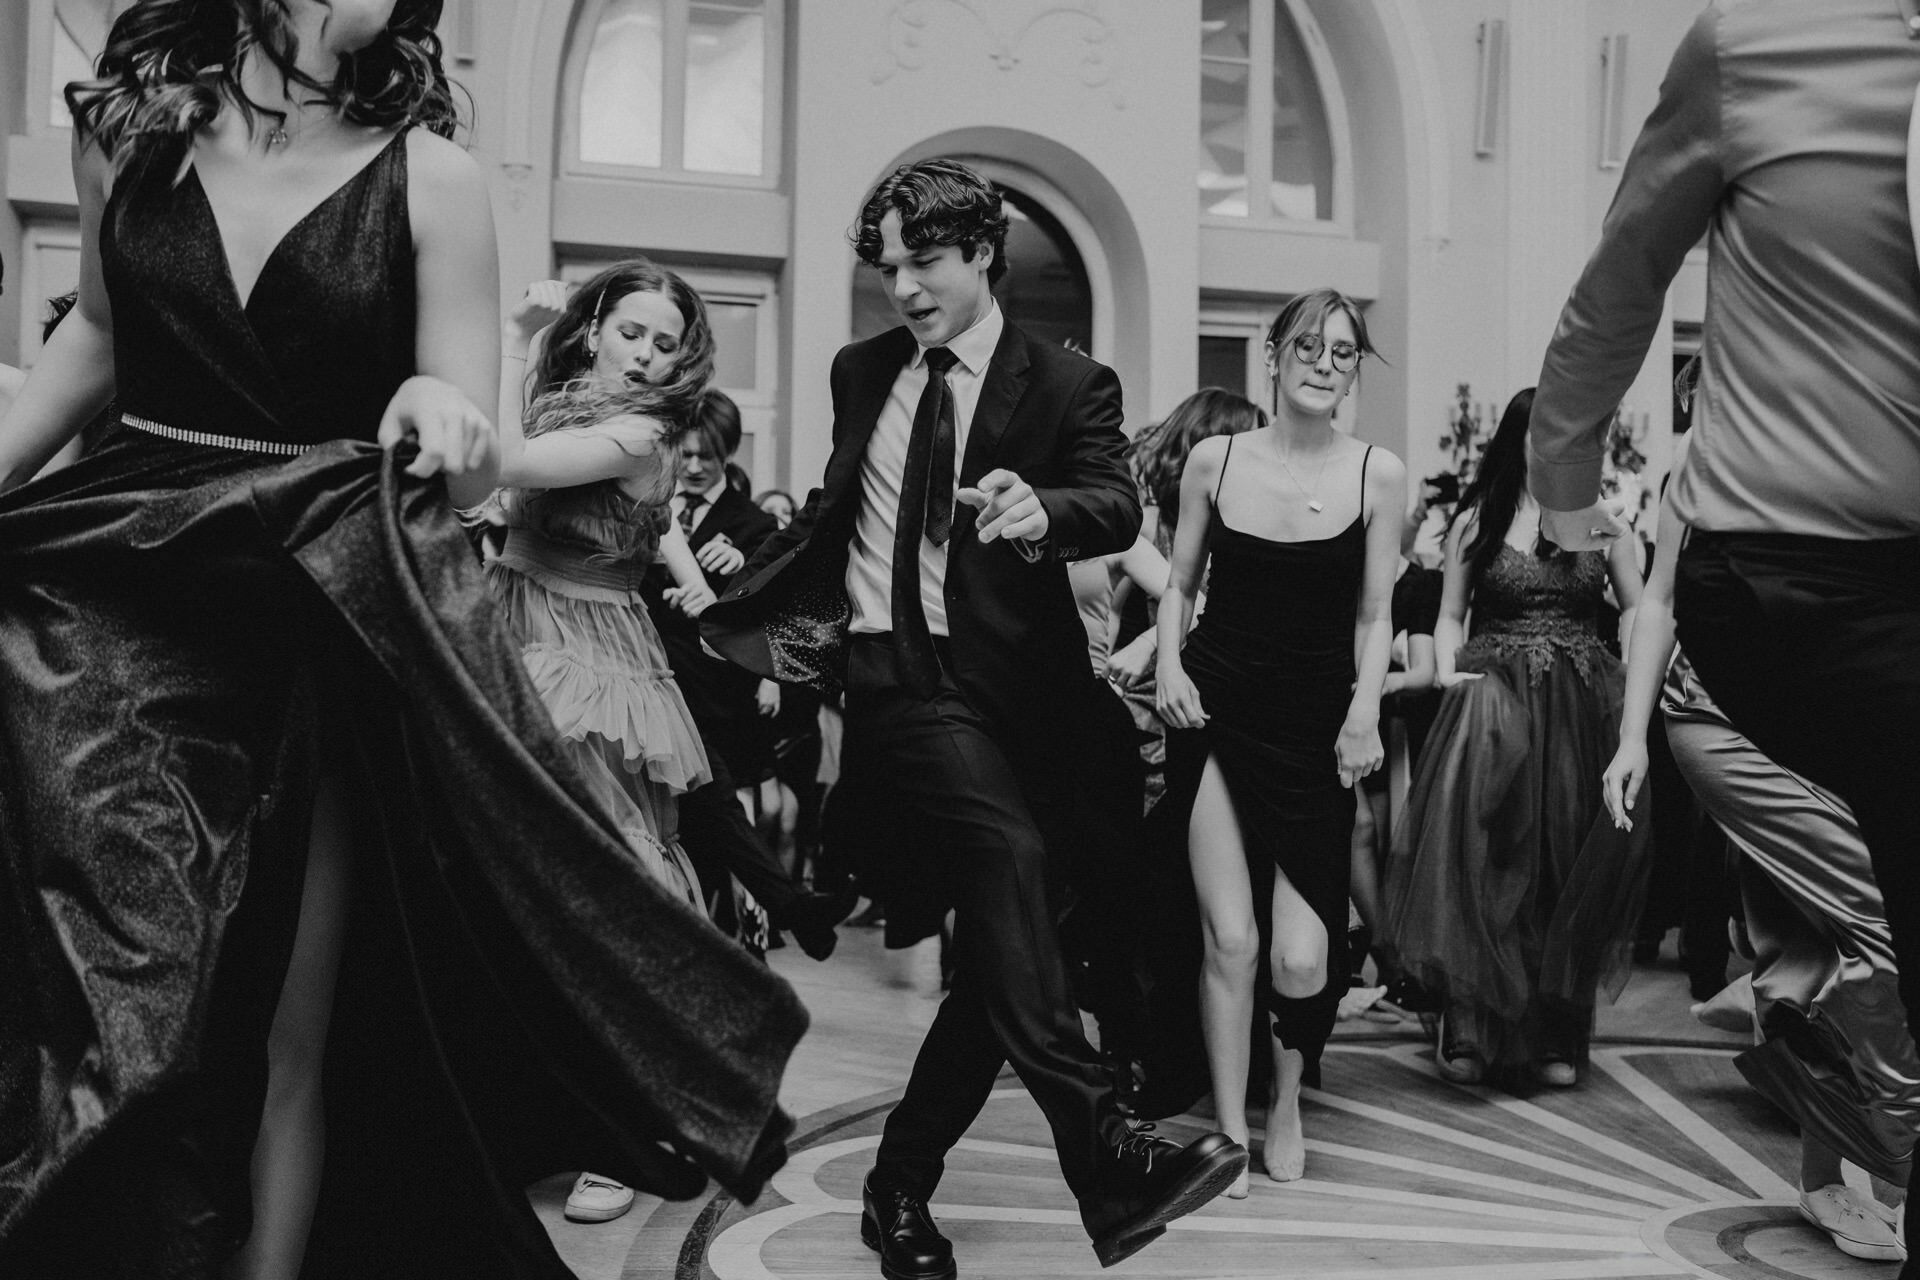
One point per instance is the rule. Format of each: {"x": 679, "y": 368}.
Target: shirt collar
{"x": 973, "y": 347}
{"x": 719, "y": 482}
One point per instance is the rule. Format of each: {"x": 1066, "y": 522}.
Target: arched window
{"x": 680, "y": 88}
{"x": 1266, "y": 143}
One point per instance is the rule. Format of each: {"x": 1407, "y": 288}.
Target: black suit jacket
{"x": 720, "y": 695}
{"x": 1019, "y": 652}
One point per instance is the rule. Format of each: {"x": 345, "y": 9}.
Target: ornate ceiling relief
{"x": 907, "y": 28}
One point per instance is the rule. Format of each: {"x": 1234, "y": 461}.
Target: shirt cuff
{"x": 1563, "y": 484}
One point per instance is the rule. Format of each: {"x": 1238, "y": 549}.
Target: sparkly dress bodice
{"x": 1542, "y": 608}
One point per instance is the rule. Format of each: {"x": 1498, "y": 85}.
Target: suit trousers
{"x": 979, "y": 833}
{"x": 1808, "y": 646}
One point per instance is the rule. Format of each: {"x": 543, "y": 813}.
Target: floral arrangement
{"x": 1470, "y": 425}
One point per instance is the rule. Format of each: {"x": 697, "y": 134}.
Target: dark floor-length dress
{"x": 190, "y": 635}
{"x": 1273, "y": 660}
{"x": 1508, "y": 888}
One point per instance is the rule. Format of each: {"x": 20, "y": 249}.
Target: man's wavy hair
{"x": 170, "y": 65}
{"x": 940, "y": 202}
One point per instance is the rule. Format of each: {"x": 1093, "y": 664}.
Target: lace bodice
{"x": 1542, "y": 609}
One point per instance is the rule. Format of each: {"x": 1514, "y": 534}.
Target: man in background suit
{"x": 723, "y": 527}
{"x": 964, "y": 664}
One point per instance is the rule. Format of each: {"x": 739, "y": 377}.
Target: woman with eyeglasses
{"x": 1509, "y": 893}
{"x": 1273, "y": 704}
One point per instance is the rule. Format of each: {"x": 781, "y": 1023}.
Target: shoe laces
{"x": 1141, "y": 1140}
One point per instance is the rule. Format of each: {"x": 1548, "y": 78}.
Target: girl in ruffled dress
{"x": 585, "y": 496}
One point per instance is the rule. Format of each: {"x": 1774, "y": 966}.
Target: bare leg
{"x": 288, "y": 1153}
{"x": 1231, "y": 937}
{"x": 1299, "y": 972}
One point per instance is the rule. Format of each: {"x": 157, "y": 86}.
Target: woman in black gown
{"x": 272, "y": 780}
{"x": 1275, "y": 703}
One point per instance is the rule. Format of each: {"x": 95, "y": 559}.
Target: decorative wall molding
{"x": 1007, "y": 24}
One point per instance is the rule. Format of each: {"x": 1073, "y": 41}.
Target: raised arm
{"x": 73, "y": 379}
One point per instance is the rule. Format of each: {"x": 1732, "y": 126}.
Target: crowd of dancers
{"x": 401, "y": 783}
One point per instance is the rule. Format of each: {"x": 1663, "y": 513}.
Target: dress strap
{"x": 1222, "y": 477}
{"x": 1365, "y": 458}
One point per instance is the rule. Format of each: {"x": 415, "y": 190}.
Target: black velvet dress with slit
{"x": 1272, "y": 658}
{"x": 192, "y": 634}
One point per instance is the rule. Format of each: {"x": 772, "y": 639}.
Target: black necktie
{"x": 690, "y": 504}
{"x": 926, "y": 508}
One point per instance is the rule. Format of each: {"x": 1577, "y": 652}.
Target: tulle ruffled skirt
{"x": 600, "y": 667}
{"x": 1508, "y": 888}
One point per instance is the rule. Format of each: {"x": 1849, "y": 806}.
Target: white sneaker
{"x": 597, "y": 1199}
{"x": 1861, "y": 1226}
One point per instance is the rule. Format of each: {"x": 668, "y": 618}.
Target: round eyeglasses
{"x": 1308, "y": 346}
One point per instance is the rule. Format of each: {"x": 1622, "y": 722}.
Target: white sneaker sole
{"x": 596, "y": 1215}
{"x": 1866, "y": 1250}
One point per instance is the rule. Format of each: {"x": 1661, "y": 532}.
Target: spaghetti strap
{"x": 1222, "y": 477}
{"x": 1365, "y": 458}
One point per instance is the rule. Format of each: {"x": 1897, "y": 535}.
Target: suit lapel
{"x": 1000, "y": 393}
{"x": 889, "y": 354}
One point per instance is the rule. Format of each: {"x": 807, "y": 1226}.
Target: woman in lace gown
{"x": 1273, "y": 705}
{"x": 1508, "y": 891}
{"x": 272, "y": 778}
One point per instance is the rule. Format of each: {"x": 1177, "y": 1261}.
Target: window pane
{"x": 1302, "y": 142}
{"x": 1223, "y": 363}
{"x": 620, "y": 93}
{"x": 1224, "y": 29}
{"x": 1223, "y": 137}
{"x": 736, "y": 344}
{"x": 726, "y": 87}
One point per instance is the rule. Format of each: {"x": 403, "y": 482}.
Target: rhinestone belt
{"x": 283, "y": 448}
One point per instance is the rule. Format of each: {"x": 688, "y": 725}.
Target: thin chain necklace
{"x": 1311, "y": 495}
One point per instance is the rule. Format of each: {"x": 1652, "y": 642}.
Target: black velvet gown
{"x": 189, "y": 635}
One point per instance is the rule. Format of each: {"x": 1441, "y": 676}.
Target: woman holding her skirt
{"x": 274, "y": 789}
{"x": 1273, "y": 703}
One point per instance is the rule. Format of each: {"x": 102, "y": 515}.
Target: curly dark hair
{"x": 1159, "y": 454}
{"x": 940, "y": 202}
{"x": 566, "y": 353}
{"x": 170, "y": 65}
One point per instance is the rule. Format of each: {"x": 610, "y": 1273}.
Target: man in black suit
{"x": 964, "y": 664}
{"x": 723, "y": 527}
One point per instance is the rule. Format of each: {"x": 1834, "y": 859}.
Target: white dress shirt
{"x": 870, "y": 556}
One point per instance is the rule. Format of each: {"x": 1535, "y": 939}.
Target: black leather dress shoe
{"x": 1151, "y": 1182}
{"x": 898, "y": 1227}
{"x": 811, "y": 918}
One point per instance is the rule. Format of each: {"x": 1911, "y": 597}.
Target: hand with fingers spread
{"x": 1008, "y": 507}
{"x": 1620, "y": 784}
{"x": 1593, "y": 528}
{"x": 720, "y": 556}
{"x": 455, "y": 438}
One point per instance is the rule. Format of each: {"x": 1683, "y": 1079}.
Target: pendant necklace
{"x": 1313, "y": 502}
